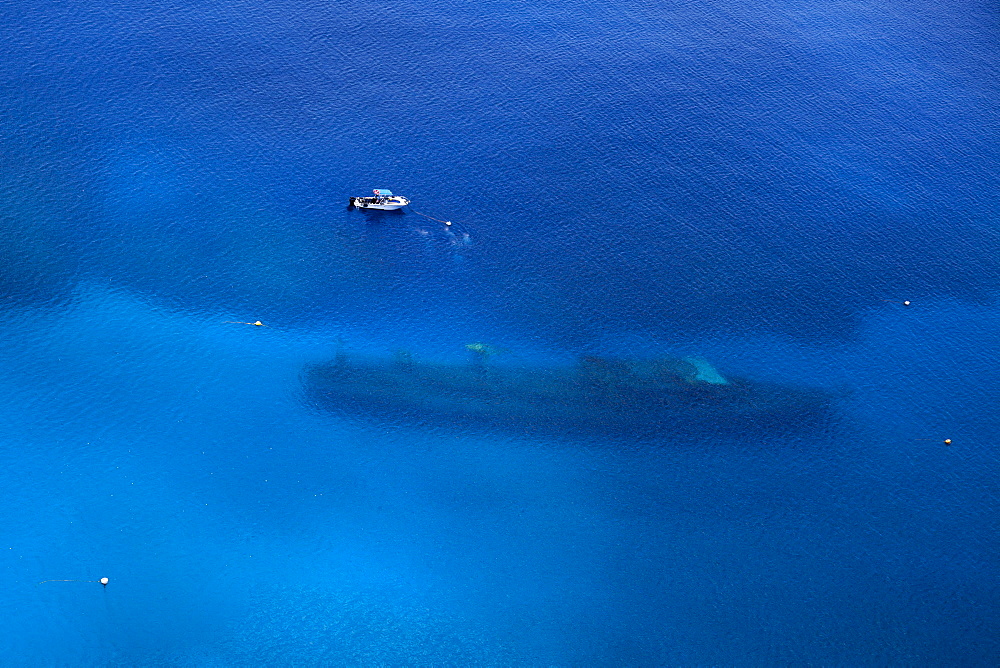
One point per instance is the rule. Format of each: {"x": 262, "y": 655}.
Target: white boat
{"x": 383, "y": 200}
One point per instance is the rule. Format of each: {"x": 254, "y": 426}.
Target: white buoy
{"x": 104, "y": 581}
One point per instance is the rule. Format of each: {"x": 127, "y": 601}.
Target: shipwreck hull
{"x": 599, "y": 396}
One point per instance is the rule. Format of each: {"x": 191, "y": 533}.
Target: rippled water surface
{"x": 761, "y": 184}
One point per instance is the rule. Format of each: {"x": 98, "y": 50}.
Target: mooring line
{"x": 446, "y": 222}
{"x": 102, "y": 581}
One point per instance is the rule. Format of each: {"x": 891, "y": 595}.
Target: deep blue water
{"x": 760, "y": 183}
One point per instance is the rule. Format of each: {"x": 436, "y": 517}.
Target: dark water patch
{"x": 44, "y": 188}
{"x": 782, "y": 190}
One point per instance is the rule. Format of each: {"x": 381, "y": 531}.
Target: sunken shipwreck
{"x": 597, "y": 395}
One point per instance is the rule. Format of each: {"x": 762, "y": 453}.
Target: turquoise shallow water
{"x": 761, "y": 185}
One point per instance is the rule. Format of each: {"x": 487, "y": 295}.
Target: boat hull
{"x": 605, "y": 397}
{"x": 383, "y": 204}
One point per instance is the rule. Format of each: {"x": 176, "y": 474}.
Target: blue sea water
{"x": 761, "y": 183}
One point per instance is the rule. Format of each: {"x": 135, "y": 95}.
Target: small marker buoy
{"x": 906, "y": 303}
{"x": 448, "y": 223}
{"x": 260, "y": 324}
{"x": 947, "y": 441}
